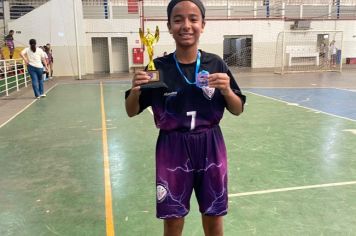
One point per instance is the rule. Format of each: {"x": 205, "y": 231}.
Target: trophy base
{"x": 154, "y": 81}
{"x": 154, "y": 75}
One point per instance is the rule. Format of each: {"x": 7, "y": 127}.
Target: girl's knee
{"x": 173, "y": 227}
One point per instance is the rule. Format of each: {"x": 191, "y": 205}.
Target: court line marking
{"x": 150, "y": 110}
{"x": 110, "y": 231}
{"x": 347, "y": 89}
{"x": 23, "y": 109}
{"x": 292, "y": 189}
{"x": 287, "y": 87}
{"x": 298, "y": 105}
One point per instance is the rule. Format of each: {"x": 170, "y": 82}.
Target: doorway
{"x": 100, "y": 55}
{"x": 238, "y": 50}
{"x": 120, "y": 56}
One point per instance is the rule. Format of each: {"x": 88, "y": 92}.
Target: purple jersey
{"x": 9, "y": 40}
{"x": 195, "y": 159}
{"x": 184, "y": 106}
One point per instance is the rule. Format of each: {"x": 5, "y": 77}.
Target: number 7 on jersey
{"x": 193, "y": 114}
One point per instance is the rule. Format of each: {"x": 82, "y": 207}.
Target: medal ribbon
{"x": 196, "y": 68}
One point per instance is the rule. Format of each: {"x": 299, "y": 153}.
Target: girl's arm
{"x": 132, "y": 101}
{"x": 24, "y": 56}
{"x": 221, "y": 81}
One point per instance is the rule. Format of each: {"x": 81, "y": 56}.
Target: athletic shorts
{"x": 186, "y": 161}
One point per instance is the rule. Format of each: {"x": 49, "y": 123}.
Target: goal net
{"x": 308, "y": 51}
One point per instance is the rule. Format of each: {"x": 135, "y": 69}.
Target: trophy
{"x": 149, "y": 40}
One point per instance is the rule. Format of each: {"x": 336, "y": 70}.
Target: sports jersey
{"x": 183, "y": 106}
{"x": 9, "y": 40}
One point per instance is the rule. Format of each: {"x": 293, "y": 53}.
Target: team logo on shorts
{"x": 208, "y": 92}
{"x": 161, "y": 193}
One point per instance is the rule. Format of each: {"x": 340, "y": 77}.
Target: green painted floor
{"x": 52, "y": 181}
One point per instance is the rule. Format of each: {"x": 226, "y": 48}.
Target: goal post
{"x": 308, "y": 51}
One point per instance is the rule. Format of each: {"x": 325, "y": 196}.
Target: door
{"x": 100, "y": 55}
{"x": 238, "y": 51}
{"x": 120, "y": 59}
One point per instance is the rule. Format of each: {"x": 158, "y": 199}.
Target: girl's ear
{"x": 203, "y": 26}
{"x": 169, "y": 27}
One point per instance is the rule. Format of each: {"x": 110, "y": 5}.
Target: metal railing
{"x": 13, "y": 76}
{"x": 226, "y": 9}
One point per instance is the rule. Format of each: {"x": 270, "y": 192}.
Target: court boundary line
{"x": 298, "y": 105}
{"x": 109, "y": 219}
{"x": 150, "y": 110}
{"x": 277, "y": 190}
{"x": 347, "y": 89}
{"x": 23, "y": 109}
{"x": 287, "y": 87}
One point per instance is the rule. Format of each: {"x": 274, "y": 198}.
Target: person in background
{"x": 45, "y": 70}
{"x": 323, "y": 54}
{"x": 35, "y": 59}
{"x": 9, "y": 42}
{"x": 333, "y": 52}
{"x": 50, "y": 59}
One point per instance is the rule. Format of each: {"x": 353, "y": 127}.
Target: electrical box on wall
{"x": 137, "y": 55}
{"x": 300, "y": 25}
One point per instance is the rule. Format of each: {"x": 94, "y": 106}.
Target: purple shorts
{"x": 186, "y": 161}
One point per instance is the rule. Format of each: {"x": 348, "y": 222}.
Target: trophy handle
{"x": 157, "y": 34}
{"x": 142, "y": 37}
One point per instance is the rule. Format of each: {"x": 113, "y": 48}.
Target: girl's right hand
{"x": 139, "y": 79}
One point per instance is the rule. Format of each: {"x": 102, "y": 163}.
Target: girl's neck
{"x": 186, "y": 55}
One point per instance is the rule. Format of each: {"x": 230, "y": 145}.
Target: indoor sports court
{"x": 74, "y": 163}
{"x": 291, "y": 161}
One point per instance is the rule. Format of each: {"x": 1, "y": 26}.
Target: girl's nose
{"x": 186, "y": 24}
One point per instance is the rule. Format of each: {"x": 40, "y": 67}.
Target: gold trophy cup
{"x": 149, "y": 40}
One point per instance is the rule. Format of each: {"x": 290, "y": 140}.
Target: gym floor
{"x": 73, "y": 163}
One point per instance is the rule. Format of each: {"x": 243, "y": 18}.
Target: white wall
{"x": 53, "y": 23}
{"x": 264, "y": 34}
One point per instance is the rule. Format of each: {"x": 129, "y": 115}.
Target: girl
{"x": 190, "y": 151}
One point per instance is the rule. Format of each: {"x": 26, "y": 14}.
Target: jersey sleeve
{"x": 235, "y": 88}
{"x": 145, "y": 99}
{"x": 233, "y": 84}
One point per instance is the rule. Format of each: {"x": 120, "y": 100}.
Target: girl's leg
{"x": 213, "y": 225}
{"x": 34, "y": 80}
{"x": 173, "y": 227}
{"x": 51, "y": 68}
{"x": 11, "y": 53}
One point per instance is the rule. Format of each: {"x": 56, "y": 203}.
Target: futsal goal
{"x": 308, "y": 51}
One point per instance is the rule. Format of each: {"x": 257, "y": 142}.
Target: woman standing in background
{"x": 34, "y": 57}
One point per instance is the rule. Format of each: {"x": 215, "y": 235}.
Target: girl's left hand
{"x": 220, "y": 81}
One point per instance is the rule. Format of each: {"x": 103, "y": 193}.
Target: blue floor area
{"x": 329, "y": 100}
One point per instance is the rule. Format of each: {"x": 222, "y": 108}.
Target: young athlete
{"x": 190, "y": 151}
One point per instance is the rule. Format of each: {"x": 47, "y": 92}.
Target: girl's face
{"x": 186, "y": 24}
